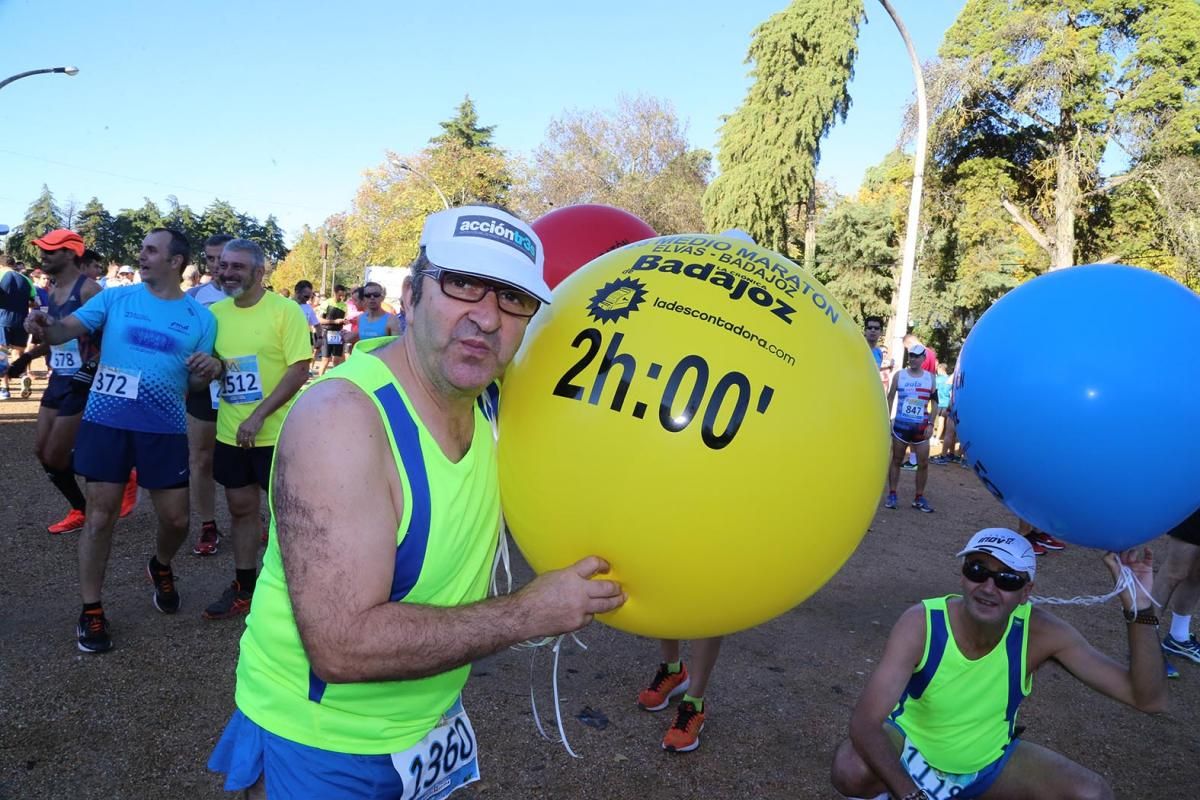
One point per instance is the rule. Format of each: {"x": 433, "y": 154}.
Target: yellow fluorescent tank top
{"x": 257, "y": 344}
{"x": 445, "y": 545}
{"x": 960, "y": 713}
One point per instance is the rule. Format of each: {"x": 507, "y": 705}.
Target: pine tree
{"x": 464, "y": 129}
{"x": 803, "y": 59}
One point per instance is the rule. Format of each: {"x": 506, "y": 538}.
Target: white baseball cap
{"x": 1006, "y": 546}
{"x": 917, "y": 349}
{"x": 489, "y": 243}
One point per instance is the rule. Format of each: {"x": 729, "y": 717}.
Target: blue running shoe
{"x": 1189, "y": 649}
{"x": 891, "y": 501}
{"x": 1171, "y": 671}
{"x": 941, "y": 460}
{"x": 921, "y": 504}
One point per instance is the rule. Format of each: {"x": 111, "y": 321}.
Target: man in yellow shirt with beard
{"x": 264, "y": 349}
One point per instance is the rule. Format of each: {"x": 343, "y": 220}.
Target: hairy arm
{"x": 1143, "y": 683}
{"x": 339, "y": 564}
{"x": 884, "y": 688}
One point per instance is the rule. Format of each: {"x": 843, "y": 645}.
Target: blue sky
{"x": 279, "y": 106}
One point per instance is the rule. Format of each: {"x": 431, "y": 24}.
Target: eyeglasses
{"x": 371, "y": 295}
{"x": 471, "y": 289}
{"x": 1005, "y": 580}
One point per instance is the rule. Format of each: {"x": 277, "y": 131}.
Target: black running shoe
{"x": 166, "y": 599}
{"x": 91, "y": 632}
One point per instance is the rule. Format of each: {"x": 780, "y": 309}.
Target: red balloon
{"x": 574, "y": 235}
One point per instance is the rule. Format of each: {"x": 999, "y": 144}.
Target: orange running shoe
{"x": 665, "y": 685}
{"x": 130, "y": 500}
{"x": 73, "y": 521}
{"x": 684, "y": 735}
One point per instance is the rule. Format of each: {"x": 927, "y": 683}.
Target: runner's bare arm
{"x": 1143, "y": 683}
{"x": 202, "y": 370}
{"x": 393, "y": 325}
{"x": 90, "y": 289}
{"x": 884, "y": 688}
{"x": 891, "y": 395}
{"x": 337, "y": 536}
{"x": 54, "y": 331}
{"x": 292, "y": 381}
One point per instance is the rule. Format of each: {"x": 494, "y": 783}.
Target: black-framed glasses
{"x": 1005, "y": 580}
{"x": 472, "y": 289}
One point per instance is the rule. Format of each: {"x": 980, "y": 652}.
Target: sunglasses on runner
{"x": 472, "y": 289}
{"x": 372, "y": 295}
{"x": 1006, "y": 581}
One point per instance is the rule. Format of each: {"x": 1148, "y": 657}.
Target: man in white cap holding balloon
{"x": 363, "y": 626}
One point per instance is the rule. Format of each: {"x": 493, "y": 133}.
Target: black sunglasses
{"x": 472, "y": 289}
{"x": 1005, "y": 580}
{"x": 371, "y": 295}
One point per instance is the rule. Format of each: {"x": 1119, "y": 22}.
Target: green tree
{"x": 636, "y": 158}
{"x": 130, "y": 227}
{"x": 95, "y": 225}
{"x": 270, "y": 238}
{"x": 859, "y": 239}
{"x": 464, "y": 129}
{"x": 42, "y": 216}
{"x": 803, "y": 59}
{"x": 384, "y": 224}
{"x": 220, "y": 217}
{"x": 1046, "y": 86}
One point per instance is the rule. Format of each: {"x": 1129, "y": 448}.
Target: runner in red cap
{"x": 67, "y": 390}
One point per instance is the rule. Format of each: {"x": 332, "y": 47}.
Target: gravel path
{"x": 140, "y": 721}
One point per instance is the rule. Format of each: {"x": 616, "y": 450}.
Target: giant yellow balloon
{"x": 700, "y": 412}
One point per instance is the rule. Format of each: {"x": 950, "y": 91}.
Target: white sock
{"x": 912, "y": 459}
{"x": 1181, "y": 627}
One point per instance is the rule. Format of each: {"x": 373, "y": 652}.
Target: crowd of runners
{"x": 178, "y": 378}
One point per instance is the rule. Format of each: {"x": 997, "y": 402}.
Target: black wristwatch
{"x": 916, "y": 794}
{"x": 1145, "y": 616}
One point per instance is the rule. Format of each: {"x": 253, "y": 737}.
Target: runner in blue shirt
{"x": 156, "y": 340}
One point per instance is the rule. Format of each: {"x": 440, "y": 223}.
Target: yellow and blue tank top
{"x": 961, "y": 714}
{"x": 445, "y": 545}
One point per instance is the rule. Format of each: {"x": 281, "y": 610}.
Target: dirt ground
{"x": 140, "y": 721}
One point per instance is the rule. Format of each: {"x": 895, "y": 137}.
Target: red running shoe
{"x": 130, "y": 500}
{"x": 73, "y": 521}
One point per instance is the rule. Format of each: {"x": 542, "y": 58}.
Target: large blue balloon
{"x": 1078, "y": 403}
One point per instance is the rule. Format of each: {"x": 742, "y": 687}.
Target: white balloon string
{"x": 502, "y": 559}
{"x": 535, "y": 646}
{"x": 1126, "y": 582}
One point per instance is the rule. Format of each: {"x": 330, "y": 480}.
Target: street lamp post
{"x": 913, "y": 229}
{"x": 404, "y": 165}
{"x": 64, "y": 70}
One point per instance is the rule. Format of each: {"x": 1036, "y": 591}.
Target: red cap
{"x": 62, "y": 239}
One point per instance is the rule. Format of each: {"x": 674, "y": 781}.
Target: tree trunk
{"x": 1066, "y": 201}
{"x": 810, "y": 229}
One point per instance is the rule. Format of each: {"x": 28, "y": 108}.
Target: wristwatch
{"x": 1144, "y": 617}
{"x": 916, "y": 794}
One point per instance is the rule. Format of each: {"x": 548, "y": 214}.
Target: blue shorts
{"x": 248, "y": 751}
{"x": 980, "y": 783}
{"x": 106, "y": 455}
{"x": 65, "y": 395}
